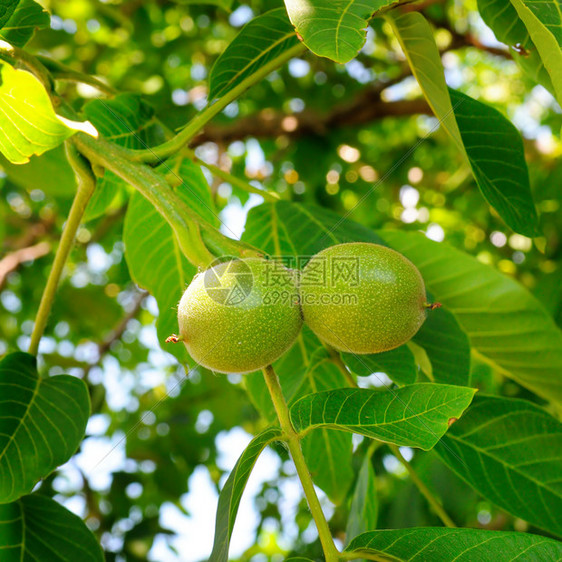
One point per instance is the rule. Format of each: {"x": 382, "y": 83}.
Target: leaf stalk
{"x": 425, "y": 491}
{"x": 293, "y": 441}
{"x": 269, "y": 196}
{"x": 86, "y": 186}
{"x": 175, "y": 144}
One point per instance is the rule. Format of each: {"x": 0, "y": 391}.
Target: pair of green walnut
{"x": 241, "y": 315}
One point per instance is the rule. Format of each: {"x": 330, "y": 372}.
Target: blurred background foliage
{"x": 355, "y": 138}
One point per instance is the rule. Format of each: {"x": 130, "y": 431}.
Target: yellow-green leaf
{"x": 28, "y": 122}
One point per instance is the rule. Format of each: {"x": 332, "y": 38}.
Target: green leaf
{"x": 128, "y": 121}
{"x": 364, "y": 508}
{"x": 292, "y": 229}
{"x": 398, "y": 364}
{"x": 259, "y": 42}
{"x": 28, "y": 123}
{"x": 152, "y": 251}
{"x": 50, "y": 172}
{"x": 36, "y": 527}
{"x": 447, "y": 347}
{"x": 503, "y": 20}
{"x": 335, "y": 29}
{"x": 190, "y": 183}
{"x": 327, "y": 453}
{"x": 416, "y": 39}
{"x": 7, "y": 8}
{"x": 544, "y": 23}
{"x": 495, "y": 151}
{"x": 23, "y": 21}
{"x": 439, "y": 544}
{"x": 510, "y": 451}
{"x": 493, "y": 146}
{"x": 504, "y": 322}
{"x": 157, "y": 264}
{"x": 42, "y": 422}
{"x": 417, "y": 415}
{"x": 229, "y": 498}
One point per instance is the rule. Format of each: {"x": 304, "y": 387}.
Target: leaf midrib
{"x": 26, "y": 413}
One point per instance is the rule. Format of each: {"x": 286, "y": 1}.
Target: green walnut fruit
{"x": 240, "y": 315}
{"x": 362, "y": 298}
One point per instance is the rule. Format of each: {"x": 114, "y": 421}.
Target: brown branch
{"x": 13, "y": 261}
{"x": 269, "y": 124}
{"x": 460, "y": 40}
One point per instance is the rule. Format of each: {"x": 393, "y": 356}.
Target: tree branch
{"x": 12, "y": 261}
{"x": 267, "y": 124}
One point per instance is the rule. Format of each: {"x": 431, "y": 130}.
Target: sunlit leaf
{"x": 543, "y": 20}
{"x": 36, "y": 527}
{"x": 42, "y": 421}
{"x": 443, "y": 545}
{"x": 417, "y": 415}
{"x": 28, "y": 123}
{"x": 335, "y": 29}
{"x": 510, "y": 451}
{"x": 504, "y": 322}
{"x": 230, "y": 495}
{"x": 508, "y": 28}
{"x": 259, "y": 42}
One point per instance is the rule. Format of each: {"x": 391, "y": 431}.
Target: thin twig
{"x": 425, "y": 491}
